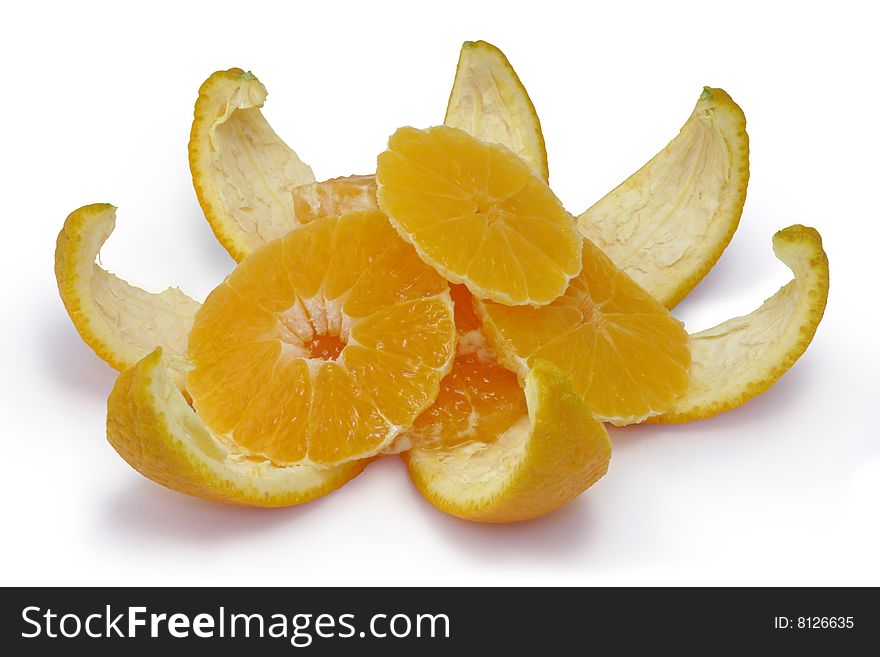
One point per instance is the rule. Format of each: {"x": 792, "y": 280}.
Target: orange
{"x": 478, "y": 215}
{"x": 479, "y": 399}
{"x": 323, "y": 346}
{"x": 625, "y": 354}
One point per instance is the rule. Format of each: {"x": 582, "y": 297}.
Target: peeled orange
{"x": 479, "y": 215}
{"x": 324, "y": 346}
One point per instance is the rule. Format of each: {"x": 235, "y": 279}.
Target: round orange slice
{"x": 323, "y": 346}
{"x": 625, "y": 354}
{"x": 478, "y": 215}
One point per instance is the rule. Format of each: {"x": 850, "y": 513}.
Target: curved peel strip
{"x": 489, "y": 102}
{"x": 669, "y": 222}
{"x": 742, "y": 357}
{"x": 547, "y": 459}
{"x": 120, "y": 322}
{"x": 242, "y": 171}
{"x": 152, "y": 427}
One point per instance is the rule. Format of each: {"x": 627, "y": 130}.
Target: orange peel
{"x": 742, "y": 357}
{"x": 120, "y": 322}
{"x": 545, "y": 460}
{"x": 151, "y": 426}
{"x": 668, "y": 223}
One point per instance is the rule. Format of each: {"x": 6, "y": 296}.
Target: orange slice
{"x": 742, "y": 357}
{"x": 479, "y": 399}
{"x": 323, "y": 346}
{"x": 625, "y": 354}
{"x": 545, "y": 460}
{"x": 151, "y": 426}
{"x": 478, "y": 214}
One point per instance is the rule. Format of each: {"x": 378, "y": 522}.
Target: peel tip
{"x": 798, "y": 234}
{"x": 479, "y": 44}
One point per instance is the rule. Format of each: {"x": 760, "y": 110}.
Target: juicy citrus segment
{"x": 489, "y": 101}
{"x": 334, "y": 197}
{"x": 548, "y": 458}
{"x": 152, "y": 427}
{"x": 479, "y": 399}
{"x": 477, "y": 214}
{"x": 742, "y": 357}
{"x": 242, "y": 171}
{"x": 669, "y": 222}
{"x": 120, "y": 322}
{"x": 626, "y": 355}
{"x": 339, "y": 323}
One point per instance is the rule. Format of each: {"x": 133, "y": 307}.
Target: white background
{"x": 96, "y": 106}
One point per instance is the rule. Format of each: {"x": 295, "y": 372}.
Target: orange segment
{"x": 625, "y": 354}
{"x": 478, "y": 214}
{"x": 342, "y": 421}
{"x": 323, "y": 346}
{"x": 479, "y": 399}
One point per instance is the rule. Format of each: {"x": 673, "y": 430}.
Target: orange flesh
{"x": 477, "y": 214}
{"x": 625, "y": 354}
{"x": 479, "y": 399}
{"x": 324, "y": 345}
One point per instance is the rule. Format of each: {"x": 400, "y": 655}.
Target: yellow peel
{"x": 120, "y": 322}
{"x": 489, "y": 102}
{"x": 242, "y": 171}
{"x": 742, "y": 357}
{"x": 669, "y": 222}
{"x": 152, "y": 427}
{"x": 547, "y": 459}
